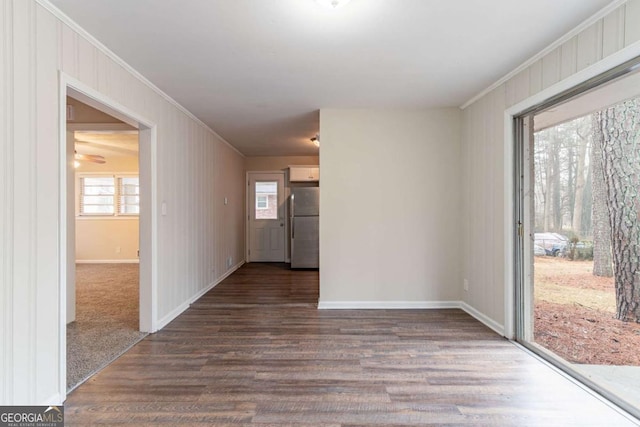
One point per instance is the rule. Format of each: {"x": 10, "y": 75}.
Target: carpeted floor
{"x": 106, "y": 318}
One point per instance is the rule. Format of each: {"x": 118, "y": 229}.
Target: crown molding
{"x": 109, "y": 53}
{"x": 568, "y": 36}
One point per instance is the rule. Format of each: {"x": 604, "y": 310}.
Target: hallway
{"x": 256, "y": 351}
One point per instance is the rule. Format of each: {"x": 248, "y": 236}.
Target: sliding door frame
{"x": 519, "y": 128}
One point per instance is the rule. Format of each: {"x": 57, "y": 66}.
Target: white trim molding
{"x": 119, "y": 128}
{"x": 559, "y": 42}
{"x": 412, "y": 305}
{"x": 170, "y": 316}
{"x": 482, "y": 318}
{"x": 107, "y": 261}
{"x": 109, "y": 53}
{"x": 386, "y": 305}
{"x": 147, "y": 129}
{"x": 182, "y": 307}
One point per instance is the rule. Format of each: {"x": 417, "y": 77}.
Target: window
{"x": 97, "y": 195}
{"x": 266, "y": 196}
{"x": 262, "y": 202}
{"x": 128, "y": 195}
{"x": 109, "y": 195}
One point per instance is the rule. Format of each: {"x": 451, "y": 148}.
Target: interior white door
{"x": 266, "y": 217}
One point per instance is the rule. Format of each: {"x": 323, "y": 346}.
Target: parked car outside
{"x": 539, "y": 250}
{"x": 554, "y": 244}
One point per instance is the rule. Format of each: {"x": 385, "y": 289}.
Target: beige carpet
{"x": 106, "y": 318}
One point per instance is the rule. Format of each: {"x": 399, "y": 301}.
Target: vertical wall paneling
{"x": 632, "y": 22}
{"x": 38, "y": 43}
{"x": 498, "y": 220}
{"x": 6, "y": 199}
{"x": 518, "y": 88}
{"x": 69, "y": 50}
{"x": 24, "y": 192}
{"x": 87, "y": 62}
{"x": 551, "y": 68}
{"x": 102, "y": 84}
{"x": 535, "y": 77}
{"x": 568, "y": 58}
{"x": 613, "y": 31}
{"x": 589, "y": 46}
{"x": 484, "y": 150}
{"x": 47, "y": 191}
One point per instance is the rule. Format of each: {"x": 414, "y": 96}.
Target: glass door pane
{"x": 581, "y": 269}
{"x": 266, "y": 198}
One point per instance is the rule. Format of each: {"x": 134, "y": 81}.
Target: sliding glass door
{"x": 578, "y": 209}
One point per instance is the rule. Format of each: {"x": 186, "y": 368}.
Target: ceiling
{"x": 107, "y": 144}
{"x": 258, "y": 71}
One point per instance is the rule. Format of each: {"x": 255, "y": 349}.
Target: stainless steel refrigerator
{"x": 304, "y": 209}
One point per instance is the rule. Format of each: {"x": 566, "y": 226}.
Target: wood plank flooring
{"x": 255, "y": 351}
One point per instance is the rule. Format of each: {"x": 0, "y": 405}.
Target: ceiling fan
{"x": 93, "y": 158}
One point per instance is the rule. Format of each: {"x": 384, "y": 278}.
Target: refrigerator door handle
{"x": 293, "y": 196}
{"x": 293, "y": 228}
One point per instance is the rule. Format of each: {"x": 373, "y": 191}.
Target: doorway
{"x": 71, "y": 88}
{"x": 265, "y": 217}
{"x": 578, "y": 258}
{"x": 104, "y": 320}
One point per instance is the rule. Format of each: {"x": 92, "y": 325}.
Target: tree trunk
{"x": 576, "y": 224}
{"x": 602, "y": 261}
{"x": 548, "y": 169}
{"x": 621, "y": 165}
{"x": 570, "y": 192}
{"x": 587, "y": 199}
{"x": 557, "y": 207}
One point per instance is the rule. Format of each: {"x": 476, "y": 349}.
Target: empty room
{"x": 326, "y": 212}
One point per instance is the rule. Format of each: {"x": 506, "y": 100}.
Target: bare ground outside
{"x": 574, "y": 315}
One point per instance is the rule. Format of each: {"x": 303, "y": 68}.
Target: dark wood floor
{"x": 256, "y": 351}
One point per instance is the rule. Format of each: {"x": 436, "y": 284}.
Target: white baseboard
{"x": 388, "y": 305}
{"x": 53, "y": 400}
{"x": 408, "y": 305}
{"x": 107, "y": 261}
{"x": 199, "y": 295}
{"x": 172, "y": 315}
{"x": 482, "y": 318}
{"x": 182, "y": 307}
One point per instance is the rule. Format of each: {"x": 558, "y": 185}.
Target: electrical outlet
{"x": 226, "y": 201}
{"x": 117, "y": 249}
{"x": 466, "y": 284}
{"x": 229, "y": 262}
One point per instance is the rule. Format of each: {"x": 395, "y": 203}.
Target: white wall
{"x": 193, "y": 168}
{"x": 389, "y": 207}
{"x": 486, "y": 258}
{"x": 106, "y": 238}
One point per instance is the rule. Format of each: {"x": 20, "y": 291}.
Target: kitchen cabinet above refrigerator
{"x": 304, "y": 173}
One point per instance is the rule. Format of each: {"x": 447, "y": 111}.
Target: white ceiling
{"x": 107, "y": 144}
{"x": 258, "y": 71}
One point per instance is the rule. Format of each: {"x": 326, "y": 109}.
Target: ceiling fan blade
{"x": 94, "y": 158}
